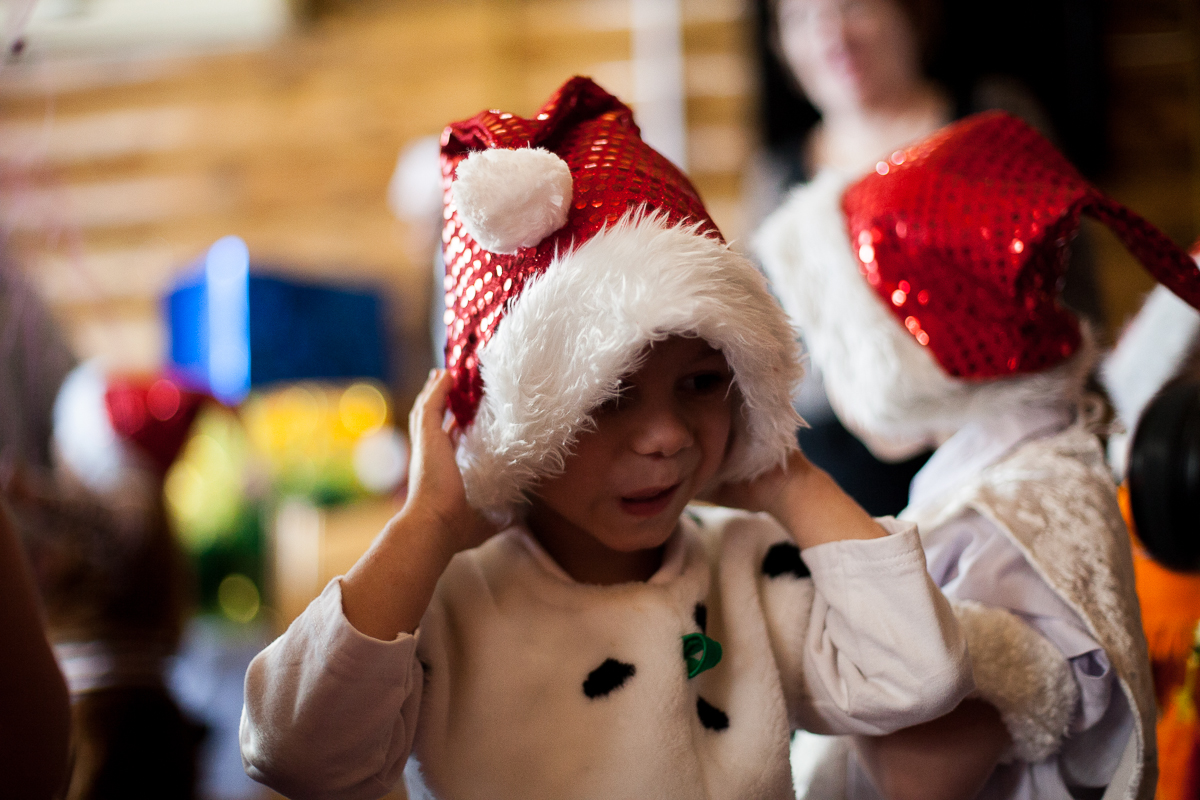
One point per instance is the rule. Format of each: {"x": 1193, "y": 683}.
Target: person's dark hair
{"x": 926, "y": 19}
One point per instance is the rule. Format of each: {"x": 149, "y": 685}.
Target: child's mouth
{"x": 649, "y": 503}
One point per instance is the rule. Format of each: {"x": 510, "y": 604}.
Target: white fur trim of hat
{"x": 566, "y": 341}
{"x": 883, "y": 385}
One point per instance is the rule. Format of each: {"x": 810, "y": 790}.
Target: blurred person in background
{"x": 108, "y": 570}
{"x": 864, "y": 66}
{"x": 36, "y": 723}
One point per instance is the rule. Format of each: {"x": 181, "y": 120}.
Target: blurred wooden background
{"x": 118, "y": 172}
{"x": 1154, "y": 133}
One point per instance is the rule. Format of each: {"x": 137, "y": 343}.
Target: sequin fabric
{"x": 612, "y": 171}
{"x": 965, "y": 236}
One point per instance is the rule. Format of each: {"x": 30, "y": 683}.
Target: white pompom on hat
{"x": 509, "y": 199}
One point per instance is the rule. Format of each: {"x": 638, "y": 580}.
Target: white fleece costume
{"x": 1017, "y": 511}
{"x": 522, "y": 683}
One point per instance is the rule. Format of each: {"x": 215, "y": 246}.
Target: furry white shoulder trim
{"x": 509, "y": 199}
{"x": 576, "y": 330}
{"x": 1150, "y": 352}
{"x": 1023, "y": 675}
{"x": 885, "y": 386}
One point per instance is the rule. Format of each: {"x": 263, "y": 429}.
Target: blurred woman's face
{"x": 849, "y": 54}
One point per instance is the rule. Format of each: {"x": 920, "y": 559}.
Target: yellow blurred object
{"x": 205, "y": 489}
{"x": 363, "y": 410}
{"x": 238, "y": 598}
{"x": 308, "y": 434}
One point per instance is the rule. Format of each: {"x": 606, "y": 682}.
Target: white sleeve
{"x": 883, "y": 650}
{"x": 329, "y": 711}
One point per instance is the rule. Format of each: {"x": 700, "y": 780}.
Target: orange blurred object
{"x": 1179, "y": 739}
{"x": 1170, "y": 604}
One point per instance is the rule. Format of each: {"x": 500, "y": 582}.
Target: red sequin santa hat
{"x": 571, "y": 245}
{"x": 929, "y": 290}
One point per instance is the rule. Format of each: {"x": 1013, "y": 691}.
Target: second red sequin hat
{"x": 928, "y": 292}
{"x": 570, "y": 245}
{"x": 965, "y": 237}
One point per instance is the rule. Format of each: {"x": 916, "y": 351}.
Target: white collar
{"x": 979, "y": 444}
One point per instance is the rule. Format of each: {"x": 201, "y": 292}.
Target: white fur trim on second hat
{"x": 576, "y": 330}
{"x": 509, "y": 199}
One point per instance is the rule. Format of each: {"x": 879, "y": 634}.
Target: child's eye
{"x": 613, "y": 403}
{"x": 706, "y": 382}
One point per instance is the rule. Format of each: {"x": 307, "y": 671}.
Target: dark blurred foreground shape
{"x": 35, "y": 736}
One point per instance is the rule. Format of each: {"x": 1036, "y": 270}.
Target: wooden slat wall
{"x": 1154, "y": 113}
{"x": 119, "y": 173}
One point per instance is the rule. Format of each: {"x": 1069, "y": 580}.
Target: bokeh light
{"x": 205, "y": 489}
{"x": 363, "y": 410}
{"x": 238, "y": 598}
{"x": 309, "y": 437}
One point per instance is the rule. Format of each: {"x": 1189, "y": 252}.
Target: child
{"x": 928, "y": 293}
{"x": 609, "y": 359}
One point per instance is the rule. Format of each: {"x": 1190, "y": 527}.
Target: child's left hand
{"x": 804, "y": 500}
{"x": 764, "y": 492}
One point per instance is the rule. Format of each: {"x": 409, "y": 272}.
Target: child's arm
{"x": 877, "y": 649}
{"x": 387, "y": 591}
{"x": 949, "y": 758}
{"x": 332, "y": 705}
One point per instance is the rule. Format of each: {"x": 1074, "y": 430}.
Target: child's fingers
{"x": 430, "y": 405}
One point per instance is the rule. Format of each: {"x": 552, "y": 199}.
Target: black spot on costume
{"x": 711, "y": 717}
{"x": 700, "y": 614}
{"x": 783, "y": 559}
{"x": 610, "y": 675}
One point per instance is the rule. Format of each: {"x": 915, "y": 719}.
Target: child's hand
{"x": 436, "y": 490}
{"x": 389, "y": 588}
{"x": 804, "y": 500}
{"x": 764, "y": 493}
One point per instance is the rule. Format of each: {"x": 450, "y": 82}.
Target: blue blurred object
{"x": 232, "y": 328}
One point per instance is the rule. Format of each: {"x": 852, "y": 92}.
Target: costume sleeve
{"x": 329, "y": 711}
{"x": 881, "y": 649}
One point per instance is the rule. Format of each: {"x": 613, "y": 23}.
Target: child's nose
{"x": 661, "y": 431}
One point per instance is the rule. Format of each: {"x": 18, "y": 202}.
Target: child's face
{"x": 651, "y": 452}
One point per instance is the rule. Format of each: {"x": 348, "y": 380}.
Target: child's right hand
{"x": 435, "y": 489}
{"x": 387, "y": 591}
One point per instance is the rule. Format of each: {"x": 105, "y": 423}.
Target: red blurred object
{"x": 154, "y": 413}
{"x": 965, "y": 237}
{"x": 612, "y": 170}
